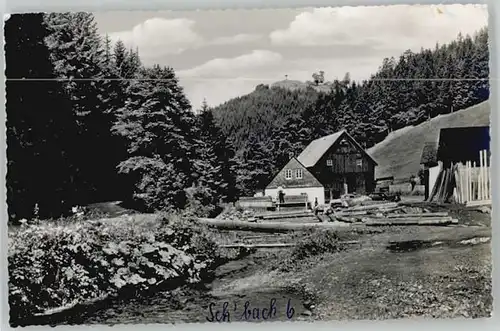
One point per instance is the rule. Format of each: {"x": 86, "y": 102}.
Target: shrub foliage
{"x": 57, "y": 265}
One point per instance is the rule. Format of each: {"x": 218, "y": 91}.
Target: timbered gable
{"x": 345, "y": 156}
{"x": 294, "y": 174}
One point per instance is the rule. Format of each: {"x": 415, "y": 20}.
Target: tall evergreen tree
{"x": 40, "y": 125}
{"x": 157, "y": 124}
{"x": 82, "y": 59}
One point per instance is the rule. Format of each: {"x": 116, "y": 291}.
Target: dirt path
{"x": 237, "y": 283}
{"x": 366, "y": 282}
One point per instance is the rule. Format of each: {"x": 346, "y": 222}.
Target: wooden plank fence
{"x": 473, "y": 181}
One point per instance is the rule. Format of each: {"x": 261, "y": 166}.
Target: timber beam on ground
{"x": 423, "y": 221}
{"x": 269, "y": 226}
{"x": 276, "y": 245}
{"x": 478, "y": 203}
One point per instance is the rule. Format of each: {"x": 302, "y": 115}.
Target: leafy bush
{"x": 317, "y": 242}
{"x": 200, "y": 202}
{"x": 53, "y": 265}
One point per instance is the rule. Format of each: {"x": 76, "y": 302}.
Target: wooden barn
{"x": 458, "y": 165}
{"x": 327, "y": 168}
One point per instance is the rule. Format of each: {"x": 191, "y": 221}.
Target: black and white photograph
{"x": 248, "y": 165}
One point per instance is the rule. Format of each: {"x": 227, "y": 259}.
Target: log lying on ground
{"x": 346, "y": 219}
{"x": 438, "y": 214}
{"x": 268, "y": 226}
{"x": 278, "y": 217}
{"x": 409, "y": 221}
{"x": 478, "y": 203}
{"x": 261, "y": 236}
{"x": 352, "y": 213}
{"x": 375, "y": 206}
{"x": 276, "y": 245}
{"x": 283, "y": 213}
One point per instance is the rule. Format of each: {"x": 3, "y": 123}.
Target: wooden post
{"x": 471, "y": 184}
{"x": 467, "y": 180}
{"x": 474, "y": 183}
{"x": 426, "y": 183}
{"x": 488, "y": 174}
{"x": 488, "y": 177}
{"x": 480, "y": 175}
{"x": 461, "y": 182}
{"x": 483, "y": 175}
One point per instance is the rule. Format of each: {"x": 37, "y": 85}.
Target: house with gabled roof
{"x": 295, "y": 179}
{"x": 327, "y": 168}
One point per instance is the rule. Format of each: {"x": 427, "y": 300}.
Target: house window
{"x": 298, "y": 173}
{"x": 288, "y": 174}
{"x": 329, "y": 163}
{"x": 359, "y": 162}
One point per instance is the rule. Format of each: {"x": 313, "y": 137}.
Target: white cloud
{"x": 384, "y": 27}
{"x": 244, "y": 64}
{"x": 159, "y": 36}
{"x": 236, "y": 39}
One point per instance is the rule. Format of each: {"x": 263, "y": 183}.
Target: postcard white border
{"x": 17, "y": 6}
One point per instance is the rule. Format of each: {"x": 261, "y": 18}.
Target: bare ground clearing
{"x": 432, "y": 273}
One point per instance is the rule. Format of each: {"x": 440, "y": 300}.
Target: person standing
{"x": 316, "y": 204}
{"x": 281, "y": 197}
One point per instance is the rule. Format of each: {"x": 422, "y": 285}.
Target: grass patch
{"x": 312, "y": 245}
{"x": 399, "y": 154}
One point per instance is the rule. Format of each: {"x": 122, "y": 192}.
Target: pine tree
{"x": 255, "y": 167}
{"x": 157, "y": 124}
{"x": 83, "y": 59}
{"x": 40, "y": 125}
{"x": 287, "y": 140}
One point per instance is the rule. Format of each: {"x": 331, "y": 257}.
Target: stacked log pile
{"x": 390, "y": 214}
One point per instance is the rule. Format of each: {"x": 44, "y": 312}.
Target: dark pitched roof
{"x": 317, "y": 148}
{"x": 462, "y": 144}
{"x": 429, "y": 154}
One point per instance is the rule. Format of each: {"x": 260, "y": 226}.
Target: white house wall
{"x": 312, "y": 193}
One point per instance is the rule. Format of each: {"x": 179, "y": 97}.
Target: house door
{"x": 351, "y": 183}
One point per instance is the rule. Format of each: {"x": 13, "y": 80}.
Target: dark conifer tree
{"x": 40, "y": 125}
{"x": 157, "y": 123}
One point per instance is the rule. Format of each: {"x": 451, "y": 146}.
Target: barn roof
{"x": 429, "y": 154}
{"x": 461, "y": 144}
{"x": 317, "y": 148}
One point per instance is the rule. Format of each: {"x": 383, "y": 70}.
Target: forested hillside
{"x": 77, "y": 134}
{"x": 405, "y": 91}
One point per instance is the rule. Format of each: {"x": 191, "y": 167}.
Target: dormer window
{"x": 298, "y": 174}
{"x": 288, "y": 174}
{"x": 329, "y": 163}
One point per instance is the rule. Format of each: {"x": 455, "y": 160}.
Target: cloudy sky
{"x": 219, "y": 55}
